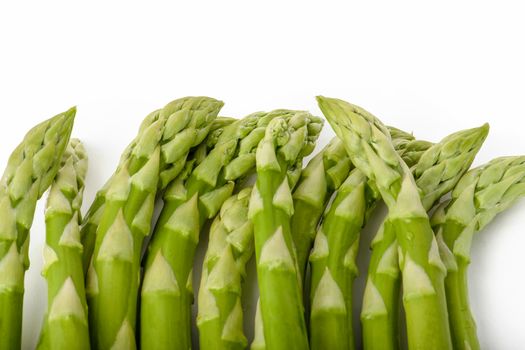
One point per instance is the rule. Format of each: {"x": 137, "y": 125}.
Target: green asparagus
{"x": 114, "y": 274}
{"x": 220, "y": 316}
{"x": 166, "y": 300}
{"x": 92, "y": 218}
{"x": 370, "y": 148}
{"x": 437, "y": 172}
{"x": 333, "y": 260}
{"x": 30, "y": 171}
{"x": 480, "y": 195}
{"x": 66, "y": 322}
{"x": 271, "y": 207}
{"x": 323, "y": 174}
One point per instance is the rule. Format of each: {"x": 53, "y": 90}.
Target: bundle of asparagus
{"x": 201, "y": 165}
{"x": 114, "y": 275}
{"x": 333, "y": 259}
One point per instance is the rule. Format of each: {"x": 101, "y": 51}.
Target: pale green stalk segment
{"x": 480, "y": 195}
{"x": 220, "y": 317}
{"x": 30, "y": 170}
{"x": 437, "y": 171}
{"x": 370, "y": 148}
{"x": 165, "y": 315}
{"x": 66, "y": 322}
{"x": 271, "y": 207}
{"x": 113, "y": 278}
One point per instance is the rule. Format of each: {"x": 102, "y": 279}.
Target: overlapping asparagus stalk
{"x": 370, "y": 148}
{"x": 92, "y": 218}
{"x": 333, "y": 259}
{"x": 220, "y": 317}
{"x": 319, "y": 179}
{"x": 66, "y": 322}
{"x": 166, "y": 306}
{"x": 437, "y": 172}
{"x": 271, "y": 207}
{"x": 480, "y": 195}
{"x": 30, "y": 171}
{"x": 114, "y": 274}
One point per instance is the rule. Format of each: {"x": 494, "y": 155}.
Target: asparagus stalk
{"x": 319, "y": 179}
{"x": 480, "y": 195}
{"x": 166, "y": 306}
{"x": 370, "y": 149}
{"x": 333, "y": 265}
{"x": 271, "y": 207}
{"x": 66, "y": 322}
{"x": 333, "y": 259}
{"x": 92, "y": 218}
{"x": 437, "y": 172}
{"x": 114, "y": 274}
{"x": 29, "y": 172}
{"x": 220, "y": 316}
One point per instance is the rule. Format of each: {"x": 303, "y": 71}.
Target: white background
{"x": 430, "y": 68}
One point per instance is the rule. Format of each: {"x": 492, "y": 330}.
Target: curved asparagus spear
{"x": 92, "y": 218}
{"x": 29, "y": 172}
{"x": 479, "y": 196}
{"x": 271, "y": 207}
{"x": 114, "y": 274}
{"x": 66, "y": 322}
{"x": 220, "y": 316}
{"x": 333, "y": 260}
{"x": 436, "y": 173}
{"x": 370, "y": 148}
{"x": 166, "y": 306}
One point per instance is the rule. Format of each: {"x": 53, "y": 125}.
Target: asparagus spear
{"x": 480, "y": 195}
{"x": 29, "y": 172}
{"x": 271, "y": 207}
{"x": 220, "y": 317}
{"x": 437, "y": 172}
{"x": 333, "y": 259}
{"x": 370, "y": 148}
{"x": 323, "y": 174}
{"x": 92, "y": 218}
{"x": 166, "y": 306}
{"x": 66, "y": 323}
{"x": 114, "y": 274}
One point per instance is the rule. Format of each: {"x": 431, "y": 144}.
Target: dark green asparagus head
{"x": 488, "y": 190}
{"x": 442, "y": 165}
{"x": 31, "y": 169}
{"x": 186, "y": 123}
{"x": 233, "y": 156}
{"x": 479, "y": 196}
{"x": 36, "y": 160}
{"x": 368, "y": 144}
{"x": 287, "y": 140}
